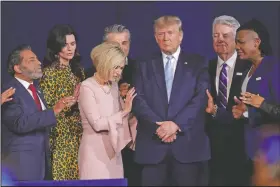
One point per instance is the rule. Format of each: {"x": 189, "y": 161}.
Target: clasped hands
{"x": 167, "y": 131}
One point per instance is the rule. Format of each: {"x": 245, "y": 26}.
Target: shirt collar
{"x": 230, "y": 62}
{"x": 175, "y": 55}
{"x": 126, "y": 61}
{"x": 23, "y": 82}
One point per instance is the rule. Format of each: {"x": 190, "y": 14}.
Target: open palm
{"x": 210, "y": 105}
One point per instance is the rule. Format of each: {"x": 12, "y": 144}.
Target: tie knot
{"x": 169, "y": 57}
{"x": 224, "y": 65}
{"x": 32, "y": 87}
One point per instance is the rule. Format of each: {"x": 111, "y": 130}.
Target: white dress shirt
{"x": 26, "y": 85}
{"x": 126, "y": 61}
{"x": 244, "y": 88}
{"x": 174, "y": 59}
{"x": 230, "y": 70}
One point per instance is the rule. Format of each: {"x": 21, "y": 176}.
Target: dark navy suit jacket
{"x": 25, "y": 141}
{"x": 186, "y": 108}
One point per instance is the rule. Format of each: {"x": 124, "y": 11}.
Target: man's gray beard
{"x": 32, "y": 75}
{"x": 37, "y": 76}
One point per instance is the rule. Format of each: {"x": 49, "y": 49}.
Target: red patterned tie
{"x": 35, "y": 96}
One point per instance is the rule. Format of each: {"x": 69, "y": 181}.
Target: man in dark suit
{"x": 120, "y": 34}
{"x": 227, "y": 74}
{"x": 171, "y": 143}
{"x": 25, "y": 119}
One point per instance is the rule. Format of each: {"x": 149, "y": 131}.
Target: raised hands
{"x": 210, "y": 109}
{"x": 124, "y": 89}
{"x": 239, "y": 109}
{"x": 128, "y": 101}
{"x": 6, "y": 95}
{"x": 62, "y": 103}
{"x": 77, "y": 91}
{"x": 74, "y": 98}
{"x": 252, "y": 99}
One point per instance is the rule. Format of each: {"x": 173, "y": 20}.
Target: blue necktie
{"x": 222, "y": 95}
{"x": 168, "y": 71}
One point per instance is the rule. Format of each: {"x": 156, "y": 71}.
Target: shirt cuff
{"x": 246, "y": 114}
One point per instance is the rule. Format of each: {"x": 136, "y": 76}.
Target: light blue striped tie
{"x": 168, "y": 71}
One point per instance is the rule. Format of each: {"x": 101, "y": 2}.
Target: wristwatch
{"x": 215, "y": 111}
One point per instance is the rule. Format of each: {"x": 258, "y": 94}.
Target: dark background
{"x": 29, "y": 23}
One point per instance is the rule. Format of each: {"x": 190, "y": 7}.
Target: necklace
{"x": 101, "y": 86}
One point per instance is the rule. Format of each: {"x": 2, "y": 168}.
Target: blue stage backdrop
{"x": 29, "y": 22}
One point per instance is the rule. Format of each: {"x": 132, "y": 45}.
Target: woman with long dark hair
{"x": 62, "y": 75}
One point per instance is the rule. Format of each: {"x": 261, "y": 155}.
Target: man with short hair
{"x": 25, "y": 119}
{"x": 227, "y": 73}
{"x": 170, "y": 107}
{"x": 120, "y": 34}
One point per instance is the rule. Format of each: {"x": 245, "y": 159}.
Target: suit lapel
{"x": 158, "y": 69}
{"x": 261, "y": 70}
{"x": 256, "y": 86}
{"x": 256, "y": 79}
{"x": 41, "y": 95}
{"x": 182, "y": 74}
{"x": 240, "y": 72}
{"x": 178, "y": 79}
{"x": 24, "y": 93}
{"x": 212, "y": 72}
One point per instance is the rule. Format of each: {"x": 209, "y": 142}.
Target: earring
{"x": 56, "y": 56}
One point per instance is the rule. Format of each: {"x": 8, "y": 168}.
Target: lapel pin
{"x": 185, "y": 62}
{"x": 239, "y": 73}
{"x": 259, "y": 78}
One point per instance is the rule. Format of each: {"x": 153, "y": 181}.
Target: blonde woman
{"x": 104, "y": 116}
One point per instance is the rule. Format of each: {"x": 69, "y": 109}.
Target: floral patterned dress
{"x": 58, "y": 82}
